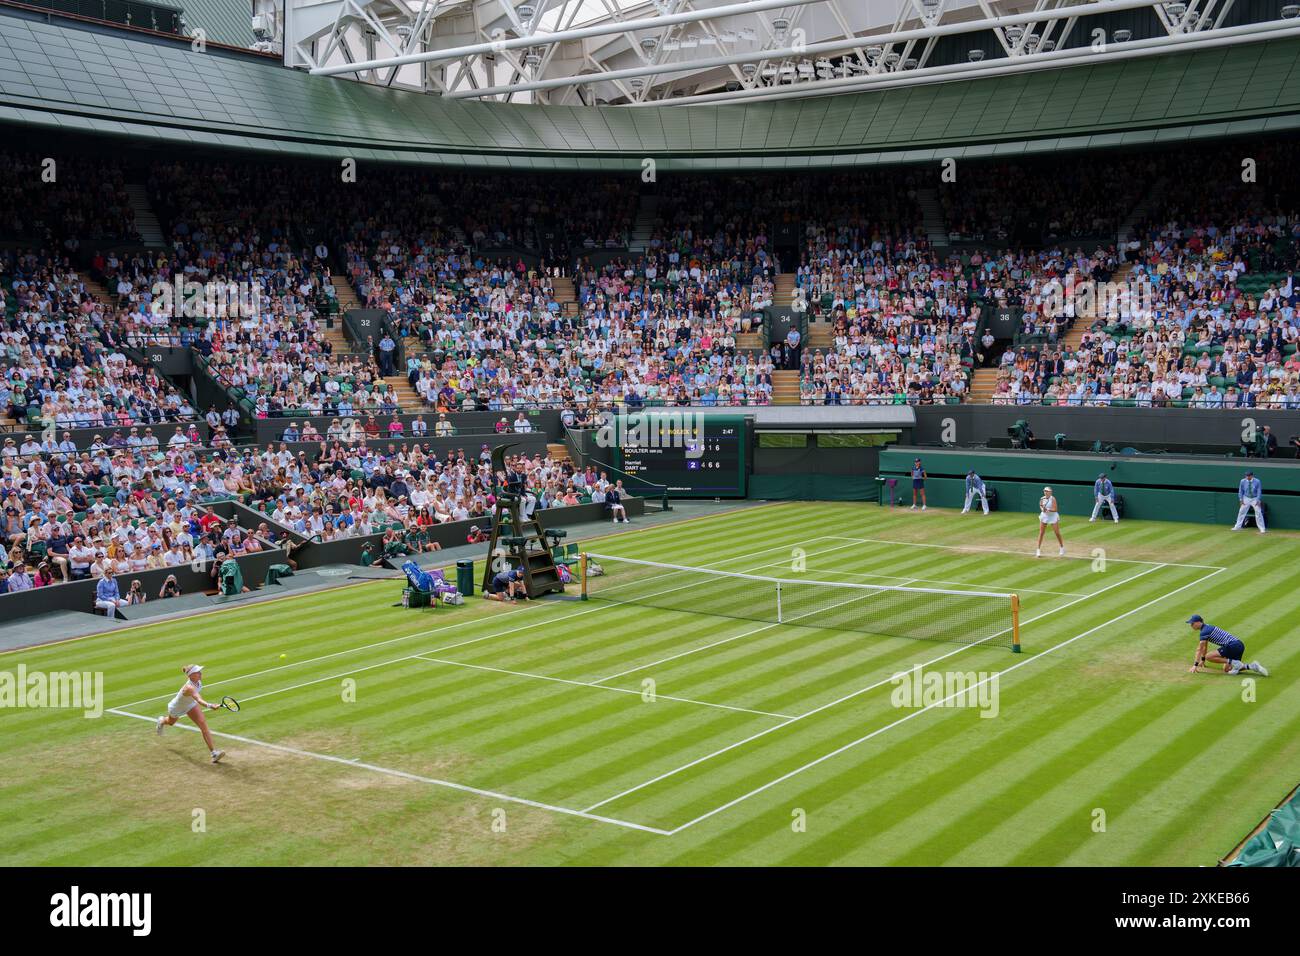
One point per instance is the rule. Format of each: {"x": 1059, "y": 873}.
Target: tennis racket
{"x": 230, "y": 704}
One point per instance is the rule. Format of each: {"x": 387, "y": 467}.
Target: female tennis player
{"x": 189, "y": 700}
{"x": 1048, "y": 517}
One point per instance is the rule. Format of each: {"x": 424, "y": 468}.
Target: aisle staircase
{"x": 566, "y": 295}
{"x": 933, "y": 220}
{"x": 347, "y": 299}
{"x": 643, "y": 227}
{"x": 784, "y": 294}
{"x": 1142, "y": 210}
{"x": 96, "y": 289}
{"x": 557, "y": 451}
{"x": 146, "y": 221}
{"x": 407, "y": 397}
{"x": 785, "y": 387}
{"x": 982, "y": 383}
{"x": 820, "y": 335}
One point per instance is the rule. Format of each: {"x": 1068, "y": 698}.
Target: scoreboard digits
{"x": 704, "y": 458}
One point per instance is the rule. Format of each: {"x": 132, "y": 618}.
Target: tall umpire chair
{"x": 521, "y": 541}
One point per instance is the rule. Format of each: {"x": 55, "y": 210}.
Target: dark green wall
{"x": 1162, "y": 489}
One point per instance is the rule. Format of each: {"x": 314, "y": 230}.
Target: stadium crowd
{"x": 1195, "y": 305}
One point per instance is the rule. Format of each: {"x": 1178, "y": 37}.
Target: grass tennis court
{"x": 600, "y": 732}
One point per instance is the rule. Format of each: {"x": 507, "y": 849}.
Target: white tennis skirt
{"x": 182, "y": 707}
{"x": 1049, "y": 517}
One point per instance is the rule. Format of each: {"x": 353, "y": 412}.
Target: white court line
{"x": 863, "y": 690}
{"x": 434, "y": 781}
{"x": 475, "y": 640}
{"x": 583, "y": 683}
{"x": 725, "y": 640}
{"x": 465, "y": 624}
{"x": 1023, "y": 554}
{"x": 916, "y": 713}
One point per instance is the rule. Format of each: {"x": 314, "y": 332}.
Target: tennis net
{"x": 931, "y": 614}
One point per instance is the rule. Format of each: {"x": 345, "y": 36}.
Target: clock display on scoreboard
{"x": 693, "y": 456}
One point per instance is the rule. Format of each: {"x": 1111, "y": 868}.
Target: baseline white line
{"x": 1023, "y": 554}
{"x": 433, "y": 781}
{"x": 476, "y": 640}
{"x": 462, "y": 624}
{"x": 583, "y": 683}
{"x": 863, "y": 690}
{"x": 875, "y": 733}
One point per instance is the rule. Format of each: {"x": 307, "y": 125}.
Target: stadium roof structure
{"x": 64, "y": 75}
{"x": 639, "y": 52}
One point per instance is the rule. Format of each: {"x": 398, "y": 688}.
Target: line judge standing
{"x": 1250, "y": 492}
{"x": 1103, "y": 491}
{"x": 975, "y": 486}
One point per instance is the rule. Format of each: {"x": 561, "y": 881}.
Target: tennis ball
{"x": 283, "y": 656}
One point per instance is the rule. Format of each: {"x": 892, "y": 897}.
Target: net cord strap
{"x": 778, "y": 582}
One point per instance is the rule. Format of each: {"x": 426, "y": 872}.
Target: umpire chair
{"x": 520, "y": 541}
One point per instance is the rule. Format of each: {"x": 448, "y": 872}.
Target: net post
{"x": 1015, "y": 624}
{"x": 582, "y": 574}
{"x": 778, "y": 603}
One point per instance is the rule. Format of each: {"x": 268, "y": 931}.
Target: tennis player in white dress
{"x": 189, "y": 700}
{"x": 1048, "y": 517}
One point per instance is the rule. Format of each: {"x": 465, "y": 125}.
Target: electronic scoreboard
{"x": 693, "y": 455}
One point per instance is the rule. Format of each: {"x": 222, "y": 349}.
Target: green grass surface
{"x": 771, "y": 725}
